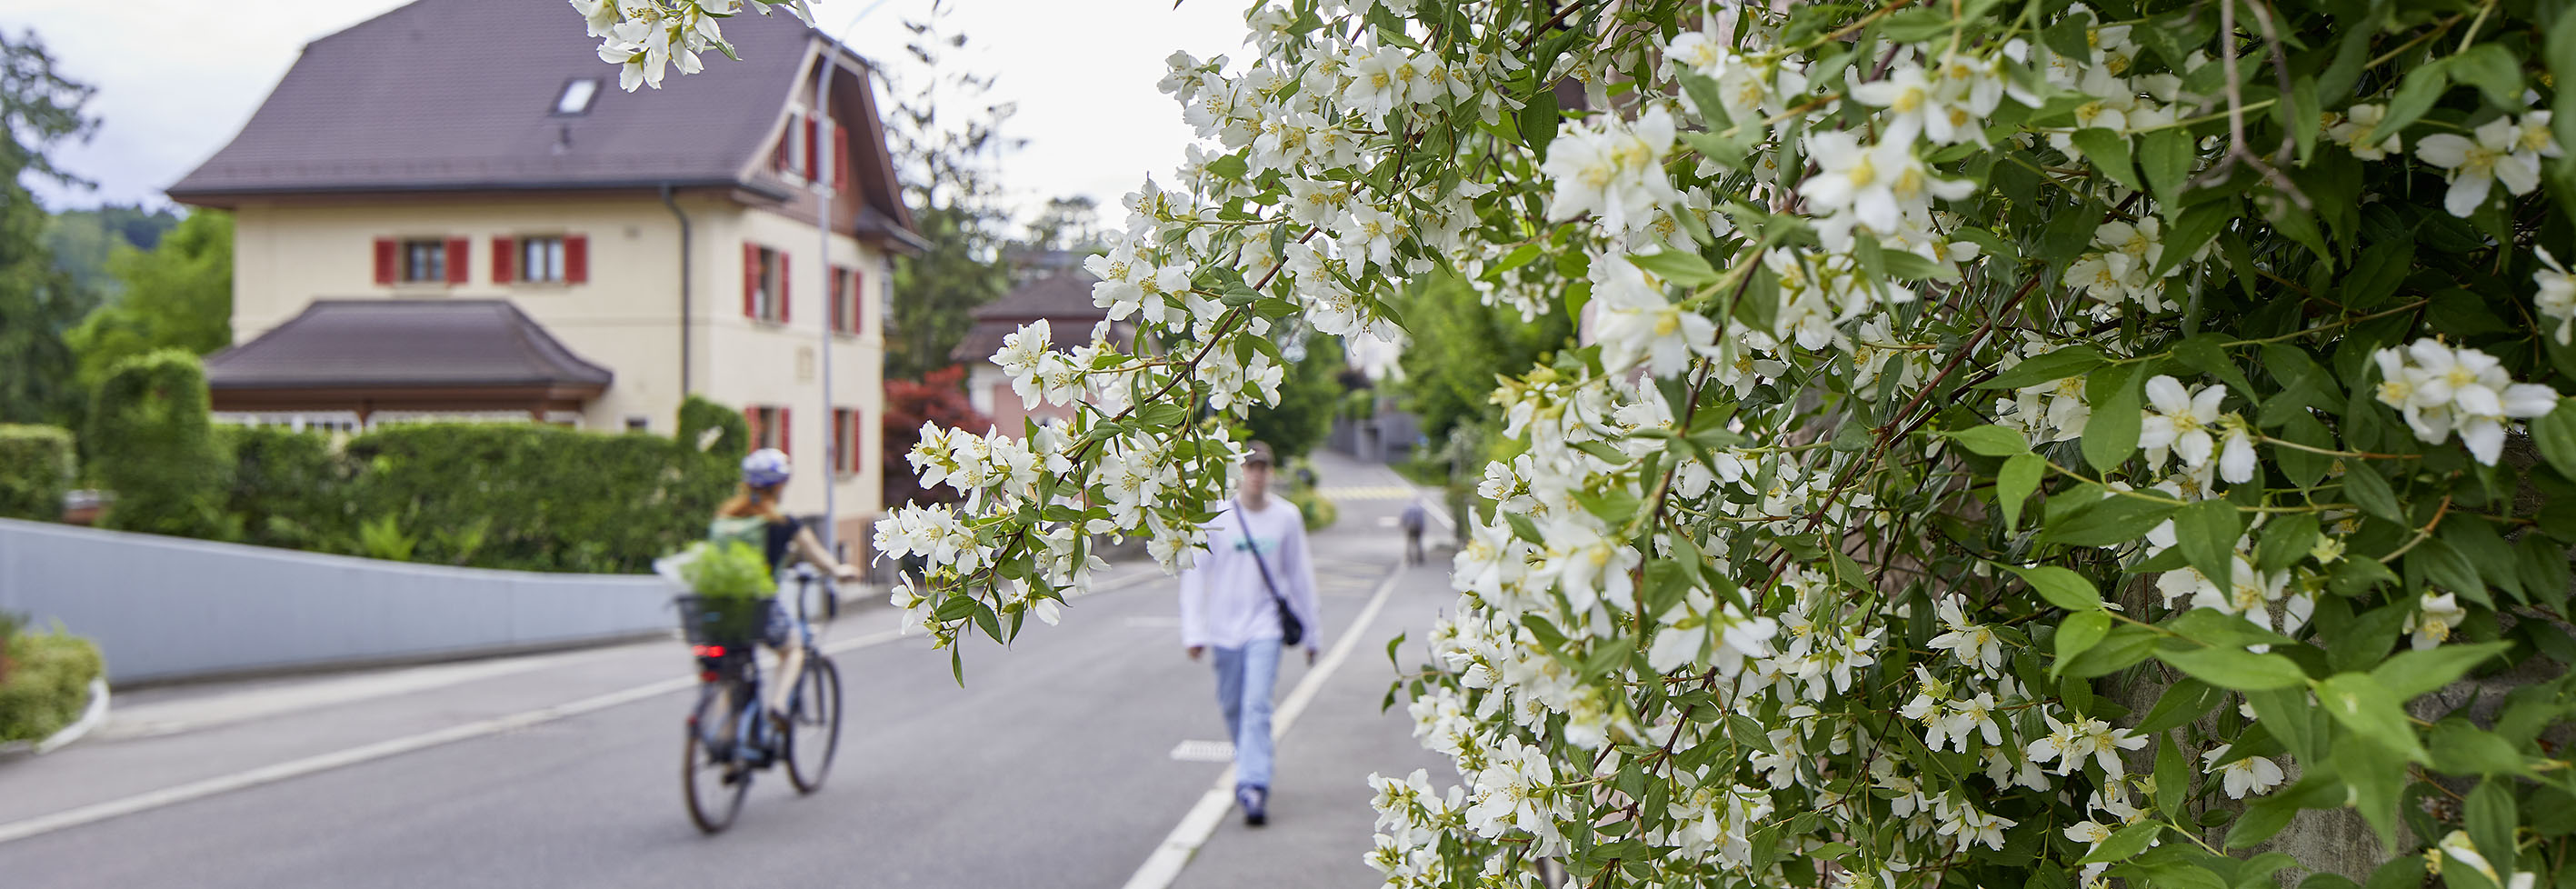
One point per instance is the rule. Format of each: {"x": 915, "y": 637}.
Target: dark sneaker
{"x": 1255, "y": 813}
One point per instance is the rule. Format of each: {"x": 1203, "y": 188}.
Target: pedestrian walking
{"x": 1250, "y": 596}
{"x": 1415, "y": 519}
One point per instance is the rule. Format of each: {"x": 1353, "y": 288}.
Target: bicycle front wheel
{"x": 814, "y": 724}
{"x": 711, "y": 779}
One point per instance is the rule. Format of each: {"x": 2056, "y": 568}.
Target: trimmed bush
{"x": 698, "y": 415}
{"x": 287, "y": 488}
{"x": 47, "y": 684}
{"x": 536, "y": 498}
{"x": 35, "y": 470}
{"x": 151, "y": 442}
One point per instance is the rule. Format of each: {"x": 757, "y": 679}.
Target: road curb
{"x": 92, "y": 717}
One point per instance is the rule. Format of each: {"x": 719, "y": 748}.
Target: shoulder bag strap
{"x": 1254, "y": 544}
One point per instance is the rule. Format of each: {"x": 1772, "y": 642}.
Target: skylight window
{"x": 576, "y": 96}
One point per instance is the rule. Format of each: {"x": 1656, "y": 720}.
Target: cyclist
{"x": 752, "y": 517}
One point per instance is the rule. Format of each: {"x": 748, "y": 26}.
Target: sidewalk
{"x": 1321, "y": 825}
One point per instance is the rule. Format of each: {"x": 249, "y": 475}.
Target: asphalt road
{"x": 1052, "y": 767}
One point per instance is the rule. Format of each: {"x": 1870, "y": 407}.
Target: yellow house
{"x": 451, "y": 212}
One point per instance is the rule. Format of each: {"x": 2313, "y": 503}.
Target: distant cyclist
{"x": 752, "y": 517}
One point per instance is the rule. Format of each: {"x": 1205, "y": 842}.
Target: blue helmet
{"x": 764, "y": 468}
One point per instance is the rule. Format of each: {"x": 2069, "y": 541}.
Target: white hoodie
{"x": 1223, "y": 601}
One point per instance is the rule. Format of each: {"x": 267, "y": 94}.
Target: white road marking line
{"x": 1164, "y": 866}
{"x": 296, "y": 768}
{"x": 1195, "y": 750}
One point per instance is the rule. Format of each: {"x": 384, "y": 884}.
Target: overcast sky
{"x": 177, "y": 78}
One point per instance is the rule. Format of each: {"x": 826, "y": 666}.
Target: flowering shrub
{"x": 2021, "y": 444}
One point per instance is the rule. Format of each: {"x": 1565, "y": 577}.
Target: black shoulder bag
{"x": 1291, "y": 630}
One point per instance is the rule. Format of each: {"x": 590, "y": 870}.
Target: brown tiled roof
{"x": 1063, "y": 299}
{"x": 359, "y": 343}
{"x": 460, "y": 95}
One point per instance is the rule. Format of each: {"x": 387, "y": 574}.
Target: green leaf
{"x": 2112, "y": 433}
{"x": 2444, "y": 566}
{"x": 2106, "y": 522}
{"x": 1990, "y": 440}
{"x": 2124, "y": 844}
{"x": 2182, "y": 703}
{"x": 2126, "y": 645}
{"x": 2109, "y": 152}
{"x": 2166, "y": 156}
{"x": 1607, "y": 654}
{"x": 2285, "y": 541}
{"x": 2053, "y": 366}
{"x": 2259, "y": 822}
{"x": 2197, "y": 226}
{"x": 2287, "y": 714}
{"x": 2555, "y": 433}
{"x": 1539, "y": 118}
{"x": 2206, "y": 531}
{"x": 1679, "y": 267}
{"x": 2370, "y": 710}
{"x": 2413, "y": 672}
{"x": 2494, "y": 71}
{"x": 2061, "y": 587}
{"x": 2415, "y": 95}
{"x": 2080, "y": 632}
{"x": 2014, "y": 483}
{"x": 2489, "y": 815}
{"x": 2235, "y": 668}
{"x": 2173, "y": 776}
{"x": 2461, "y": 749}
{"x": 2371, "y": 492}
{"x": 2376, "y": 774}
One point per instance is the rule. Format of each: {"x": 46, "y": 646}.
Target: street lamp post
{"x": 821, "y": 186}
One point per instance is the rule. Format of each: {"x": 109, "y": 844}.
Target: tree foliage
{"x": 38, "y": 301}
{"x": 945, "y": 137}
{"x": 1308, "y": 394}
{"x": 177, "y": 296}
{"x": 1457, "y": 347}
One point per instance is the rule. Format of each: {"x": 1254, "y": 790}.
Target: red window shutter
{"x": 784, "y": 287}
{"x": 388, "y": 255}
{"x": 782, "y": 432}
{"x": 858, "y": 301}
{"x": 840, "y": 285}
{"x": 784, "y": 159}
{"x": 750, "y": 280}
{"x": 840, "y": 158}
{"x": 459, "y": 252}
{"x": 850, "y": 444}
{"x": 503, "y": 251}
{"x": 812, "y": 161}
{"x": 576, "y": 259}
{"x": 751, "y": 422}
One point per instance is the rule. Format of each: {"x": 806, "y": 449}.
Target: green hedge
{"x": 534, "y": 498}
{"x": 35, "y": 470}
{"x": 732, "y": 433}
{"x": 46, "y": 684}
{"x": 151, "y": 442}
{"x": 288, "y": 488}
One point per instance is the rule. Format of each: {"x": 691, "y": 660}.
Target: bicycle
{"x": 729, "y": 738}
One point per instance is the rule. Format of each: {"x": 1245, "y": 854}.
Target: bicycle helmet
{"x": 764, "y": 468}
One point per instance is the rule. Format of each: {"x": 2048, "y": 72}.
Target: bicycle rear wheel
{"x": 711, "y": 779}
{"x": 814, "y": 728}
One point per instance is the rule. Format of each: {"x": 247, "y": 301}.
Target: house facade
{"x": 451, "y": 212}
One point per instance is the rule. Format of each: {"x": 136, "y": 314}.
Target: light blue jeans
{"x": 1244, "y": 678}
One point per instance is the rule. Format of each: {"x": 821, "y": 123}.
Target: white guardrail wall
{"x": 170, "y": 608}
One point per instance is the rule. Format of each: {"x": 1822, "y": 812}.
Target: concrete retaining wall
{"x": 167, "y": 608}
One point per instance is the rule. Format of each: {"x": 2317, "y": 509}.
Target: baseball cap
{"x": 1258, "y": 453}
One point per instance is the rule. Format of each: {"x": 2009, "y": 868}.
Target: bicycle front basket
{"x": 722, "y": 620}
